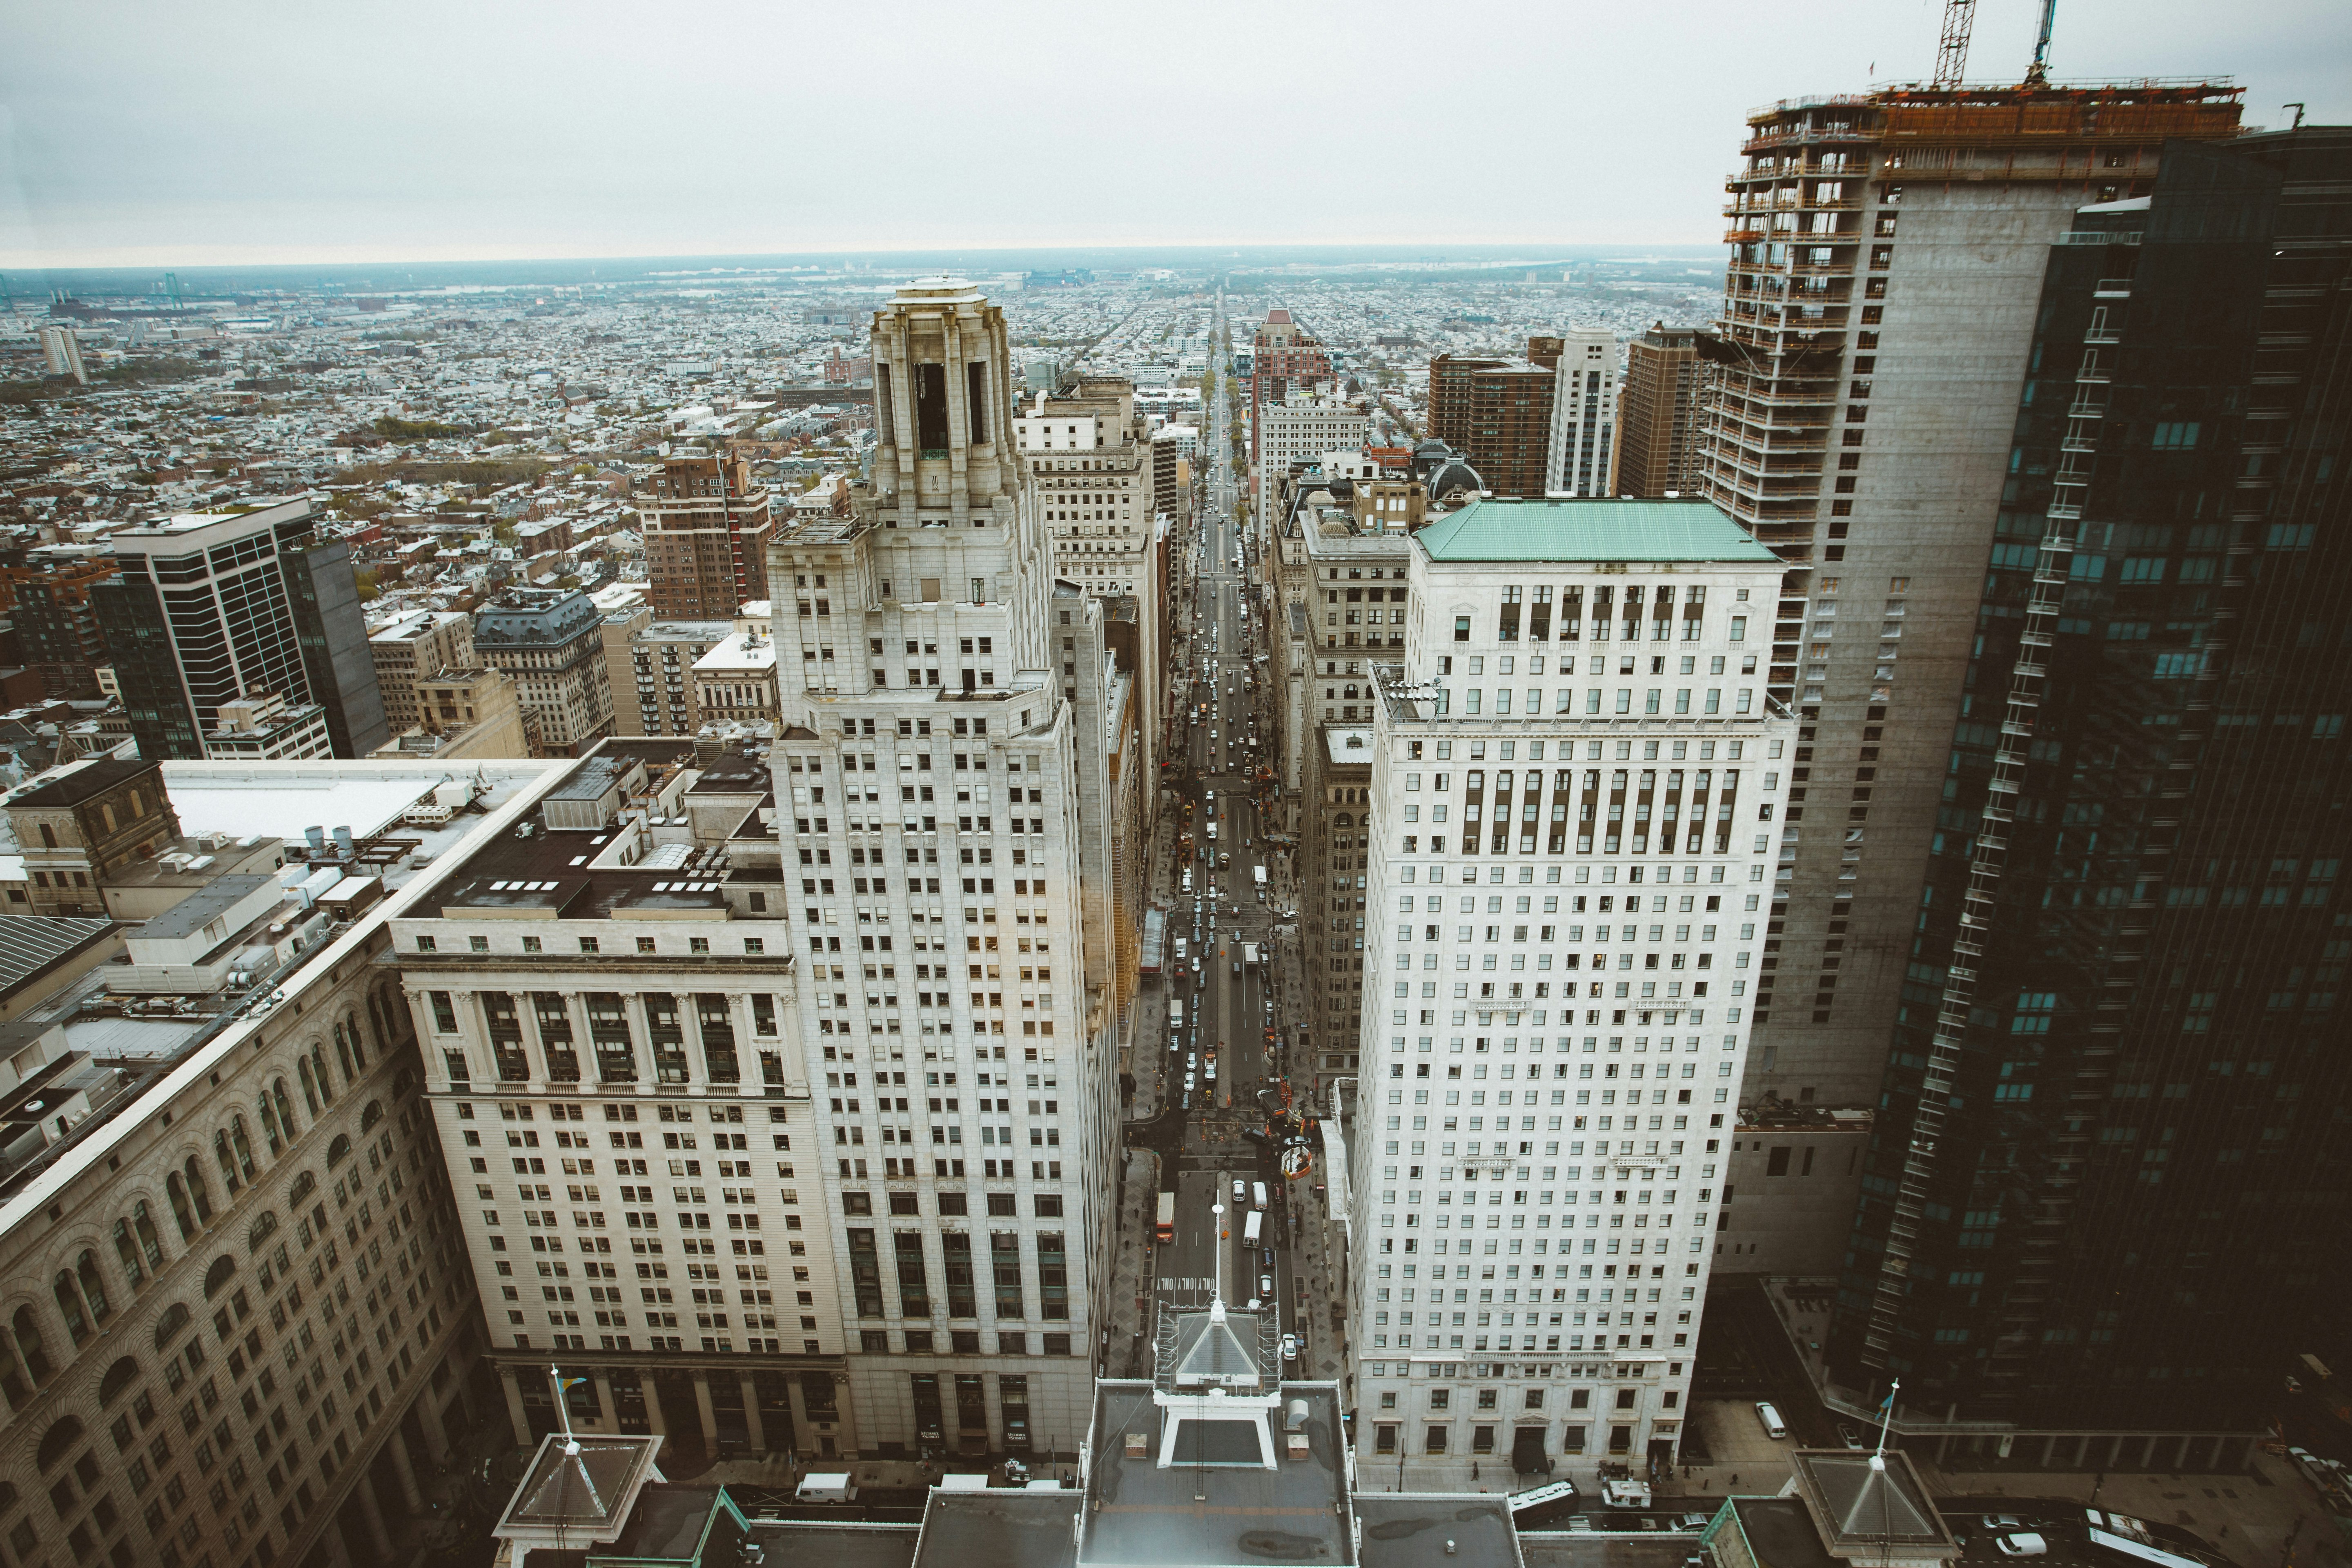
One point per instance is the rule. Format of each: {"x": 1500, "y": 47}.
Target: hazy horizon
{"x": 144, "y": 135}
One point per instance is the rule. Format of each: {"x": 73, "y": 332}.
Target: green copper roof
{"x": 1570, "y": 530}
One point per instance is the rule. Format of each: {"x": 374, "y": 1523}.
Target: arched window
{"x": 70, "y": 1302}
{"x": 128, "y": 1250}
{"x": 309, "y": 1084}
{"x": 57, "y": 1441}
{"x": 223, "y": 1269}
{"x": 196, "y": 1193}
{"x": 243, "y": 1149}
{"x": 261, "y": 1231}
{"x": 15, "y": 1381}
{"x": 268, "y": 1114}
{"x": 176, "y": 1193}
{"x": 359, "y": 1049}
{"x": 343, "y": 1056}
{"x": 373, "y": 1114}
{"x": 285, "y": 1108}
{"x": 1343, "y": 820}
{"x": 93, "y": 1288}
{"x": 339, "y": 1151}
{"x": 304, "y": 1186}
{"x": 167, "y": 1327}
{"x": 119, "y": 1376}
{"x": 25, "y": 1330}
{"x": 228, "y": 1162}
{"x": 150, "y": 1244}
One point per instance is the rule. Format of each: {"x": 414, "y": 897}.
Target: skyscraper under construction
{"x": 1887, "y": 254}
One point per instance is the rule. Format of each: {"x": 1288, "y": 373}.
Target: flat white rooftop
{"x": 280, "y": 799}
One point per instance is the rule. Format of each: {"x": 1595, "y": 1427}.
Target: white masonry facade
{"x": 783, "y": 1091}
{"x": 1583, "y": 414}
{"x": 1574, "y": 791}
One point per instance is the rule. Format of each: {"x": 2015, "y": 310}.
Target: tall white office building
{"x": 818, "y": 1051}
{"x": 1573, "y": 799}
{"x": 1583, "y": 414}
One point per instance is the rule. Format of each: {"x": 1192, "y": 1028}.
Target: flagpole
{"x": 563, "y": 1411}
{"x": 1887, "y": 1416}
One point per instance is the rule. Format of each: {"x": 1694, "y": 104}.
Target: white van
{"x": 1773, "y": 1426}
{"x": 1257, "y": 1194}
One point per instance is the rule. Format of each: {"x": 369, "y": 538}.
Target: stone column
{"x": 754, "y": 1432}
{"x": 515, "y": 1412}
{"x": 653, "y": 1422}
{"x": 411, "y": 1493}
{"x": 704, "y": 1408}
{"x": 804, "y": 1441}
{"x": 379, "y": 1536}
{"x": 331, "y": 1537}
{"x": 436, "y": 1437}
{"x": 751, "y": 1082}
{"x": 610, "y": 1419}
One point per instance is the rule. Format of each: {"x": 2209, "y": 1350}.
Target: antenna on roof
{"x": 1217, "y": 1296}
{"x": 563, "y": 1407}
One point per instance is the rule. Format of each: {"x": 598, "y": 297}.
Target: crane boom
{"x": 2037, "y": 73}
{"x": 1952, "y": 53}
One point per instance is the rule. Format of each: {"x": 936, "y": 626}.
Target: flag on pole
{"x": 1885, "y": 1403}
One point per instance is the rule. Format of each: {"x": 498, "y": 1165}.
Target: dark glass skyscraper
{"x": 215, "y": 606}
{"x": 2113, "y": 1144}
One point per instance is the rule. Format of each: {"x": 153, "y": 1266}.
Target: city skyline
{"x": 480, "y": 156}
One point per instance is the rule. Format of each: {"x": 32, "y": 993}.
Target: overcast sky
{"x": 238, "y": 132}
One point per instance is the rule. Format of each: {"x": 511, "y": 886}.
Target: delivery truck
{"x": 1166, "y": 1228}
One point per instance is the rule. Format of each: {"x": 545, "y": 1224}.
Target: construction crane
{"x": 1952, "y": 51}
{"x": 2037, "y": 73}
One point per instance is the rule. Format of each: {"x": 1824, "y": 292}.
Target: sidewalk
{"x": 1132, "y": 1264}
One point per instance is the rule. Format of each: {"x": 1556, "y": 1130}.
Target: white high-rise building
{"x": 1308, "y": 425}
{"x": 1573, "y": 797}
{"x": 786, "y": 1092}
{"x": 61, "y": 352}
{"x": 1583, "y": 414}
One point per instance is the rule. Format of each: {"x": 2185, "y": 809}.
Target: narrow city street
{"x": 1213, "y": 1086}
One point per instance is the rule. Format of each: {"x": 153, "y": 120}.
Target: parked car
{"x": 2022, "y": 1544}
{"x": 1290, "y": 1347}
{"x": 1996, "y": 1522}
{"x": 1848, "y": 1436}
{"x": 1265, "y": 1287}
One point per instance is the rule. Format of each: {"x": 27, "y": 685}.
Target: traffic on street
{"x": 1228, "y": 1127}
